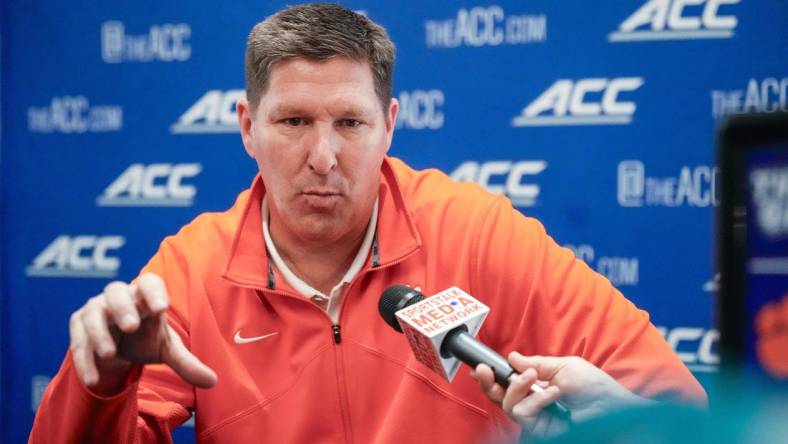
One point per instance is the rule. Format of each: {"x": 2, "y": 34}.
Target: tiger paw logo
{"x": 771, "y": 325}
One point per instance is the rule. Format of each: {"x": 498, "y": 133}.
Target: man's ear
{"x": 391, "y": 120}
{"x": 246, "y": 123}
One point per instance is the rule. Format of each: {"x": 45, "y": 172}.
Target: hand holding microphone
{"x": 437, "y": 329}
{"x": 584, "y": 388}
{"x": 438, "y": 332}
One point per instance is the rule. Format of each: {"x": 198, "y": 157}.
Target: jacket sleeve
{"x": 154, "y": 402}
{"x": 546, "y": 302}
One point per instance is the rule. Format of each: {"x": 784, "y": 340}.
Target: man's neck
{"x": 321, "y": 267}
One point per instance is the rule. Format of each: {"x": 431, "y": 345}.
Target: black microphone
{"x": 458, "y": 343}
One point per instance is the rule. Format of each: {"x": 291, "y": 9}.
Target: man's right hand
{"x": 127, "y": 325}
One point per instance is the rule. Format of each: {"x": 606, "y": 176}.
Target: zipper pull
{"x": 337, "y": 335}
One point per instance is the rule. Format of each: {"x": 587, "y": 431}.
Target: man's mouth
{"x": 321, "y": 192}
{"x": 321, "y": 199}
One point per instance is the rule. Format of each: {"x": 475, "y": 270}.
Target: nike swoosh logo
{"x": 239, "y": 340}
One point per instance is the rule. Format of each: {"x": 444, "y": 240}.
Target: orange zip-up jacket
{"x": 309, "y": 383}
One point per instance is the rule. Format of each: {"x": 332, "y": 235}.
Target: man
{"x": 263, "y": 319}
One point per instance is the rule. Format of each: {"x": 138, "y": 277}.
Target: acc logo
{"x": 766, "y": 95}
{"x": 668, "y": 20}
{"x": 167, "y": 43}
{"x": 158, "y": 185}
{"x": 694, "y": 187}
{"x": 74, "y": 115}
{"x": 509, "y": 178}
{"x": 78, "y": 256}
{"x": 567, "y": 102}
{"x": 485, "y": 26}
{"x": 696, "y": 347}
{"x": 419, "y": 109}
{"x": 620, "y": 270}
{"x": 213, "y": 113}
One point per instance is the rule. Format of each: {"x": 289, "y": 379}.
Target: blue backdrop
{"x": 598, "y": 118}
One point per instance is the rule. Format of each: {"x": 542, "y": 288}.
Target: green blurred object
{"x": 742, "y": 410}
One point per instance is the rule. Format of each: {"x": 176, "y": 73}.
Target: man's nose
{"x": 323, "y": 150}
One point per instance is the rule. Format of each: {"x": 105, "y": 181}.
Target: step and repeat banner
{"x": 598, "y": 118}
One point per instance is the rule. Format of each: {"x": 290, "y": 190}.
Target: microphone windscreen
{"x": 396, "y": 298}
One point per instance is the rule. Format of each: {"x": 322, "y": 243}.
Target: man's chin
{"x": 320, "y": 229}
{"x": 320, "y": 238}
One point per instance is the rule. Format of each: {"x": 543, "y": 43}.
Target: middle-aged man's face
{"x": 319, "y": 136}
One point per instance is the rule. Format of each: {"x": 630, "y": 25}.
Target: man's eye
{"x": 294, "y": 121}
{"x": 350, "y": 123}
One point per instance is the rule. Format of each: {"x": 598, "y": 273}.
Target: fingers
{"x": 121, "y": 307}
{"x": 151, "y": 288}
{"x": 94, "y": 322}
{"x": 519, "y": 387}
{"x": 483, "y": 374}
{"x": 518, "y": 401}
{"x": 180, "y": 359}
{"x": 527, "y": 411}
{"x": 136, "y": 316}
{"x": 525, "y": 406}
{"x": 82, "y": 351}
{"x": 95, "y": 328}
{"x": 546, "y": 367}
{"x": 128, "y": 304}
{"x": 532, "y": 405}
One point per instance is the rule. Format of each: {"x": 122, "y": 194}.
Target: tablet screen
{"x": 766, "y": 299}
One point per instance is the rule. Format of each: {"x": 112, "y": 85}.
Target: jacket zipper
{"x": 336, "y": 332}
{"x": 336, "y": 328}
{"x": 337, "y": 336}
{"x": 344, "y": 403}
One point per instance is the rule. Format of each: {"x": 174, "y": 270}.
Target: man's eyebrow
{"x": 290, "y": 110}
{"x": 355, "y": 111}
{"x": 345, "y": 111}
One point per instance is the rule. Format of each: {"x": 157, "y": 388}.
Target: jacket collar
{"x": 396, "y": 235}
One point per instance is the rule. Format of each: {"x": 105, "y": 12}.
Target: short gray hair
{"x": 318, "y": 31}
